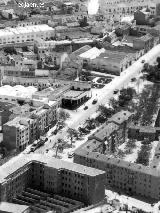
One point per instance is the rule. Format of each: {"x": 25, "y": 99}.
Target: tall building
{"x": 30, "y": 124}
{"x": 16, "y": 133}
{"x": 53, "y": 176}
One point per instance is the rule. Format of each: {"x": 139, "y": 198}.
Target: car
{"x": 55, "y": 132}
{"x": 70, "y": 154}
{"x": 40, "y": 143}
{"x": 143, "y": 61}
{"x": 86, "y": 107}
{"x": 94, "y": 101}
{"x": 33, "y": 147}
{"x": 115, "y": 91}
{"x": 133, "y": 79}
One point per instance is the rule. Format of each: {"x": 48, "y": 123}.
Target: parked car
{"x": 143, "y": 61}
{"x": 41, "y": 142}
{"x": 86, "y": 107}
{"x": 34, "y": 147}
{"x": 115, "y": 91}
{"x": 70, "y": 154}
{"x": 133, "y": 79}
{"x": 55, "y": 132}
{"x": 94, "y": 101}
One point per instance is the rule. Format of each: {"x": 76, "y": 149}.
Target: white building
{"x": 25, "y": 34}
{"x": 12, "y": 94}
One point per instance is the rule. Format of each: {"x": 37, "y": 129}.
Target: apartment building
{"x": 25, "y": 34}
{"x": 133, "y": 179}
{"x": 52, "y": 176}
{"x": 44, "y": 117}
{"x": 122, "y": 175}
{"x": 5, "y": 111}
{"x": 16, "y": 133}
{"x": 27, "y": 123}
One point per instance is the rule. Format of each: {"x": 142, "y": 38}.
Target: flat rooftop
{"x": 25, "y": 30}
{"x": 52, "y": 91}
{"x": 12, "y": 207}
{"x": 120, "y": 117}
{"x": 23, "y": 160}
{"x": 16, "y": 122}
{"x": 117, "y": 162}
{"x": 73, "y": 94}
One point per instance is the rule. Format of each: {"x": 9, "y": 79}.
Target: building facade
{"x": 145, "y": 42}
{"x": 19, "y": 132}
{"x": 124, "y": 7}
{"x": 53, "y": 176}
{"x": 25, "y": 34}
{"x": 129, "y": 177}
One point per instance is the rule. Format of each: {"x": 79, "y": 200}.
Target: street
{"x": 103, "y": 95}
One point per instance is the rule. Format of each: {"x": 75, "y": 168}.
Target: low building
{"x": 73, "y": 98}
{"x": 142, "y": 132}
{"x": 52, "y": 93}
{"x": 106, "y": 61}
{"x": 39, "y": 82}
{"x": 114, "y": 129}
{"x": 6, "y": 207}
{"x": 17, "y": 93}
{"x": 145, "y": 42}
{"x": 25, "y": 34}
{"x": 53, "y": 176}
{"x": 126, "y": 49}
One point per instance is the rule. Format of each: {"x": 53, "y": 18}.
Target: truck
{"x": 37, "y": 144}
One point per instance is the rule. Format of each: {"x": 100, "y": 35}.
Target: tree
{"x": 60, "y": 124}
{"x": 114, "y": 104}
{"x": 76, "y": 134}
{"x": 100, "y": 119}
{"x": 104, "y": 147}
{"x": 85, "y": 75}
{"x": 105, "y": 111}
{"x": 90, "y": 123}
{"x": 59, "y": 145}
{"x": 158, "y": 61}
{"x": 83, "y": 22}
{"x": 97, "y": 44}
{"x": 113, "y": 144}
{"x": 10, "y": 50}
{"x": 62, "y": 115}
{"x": 71, "y": 134}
